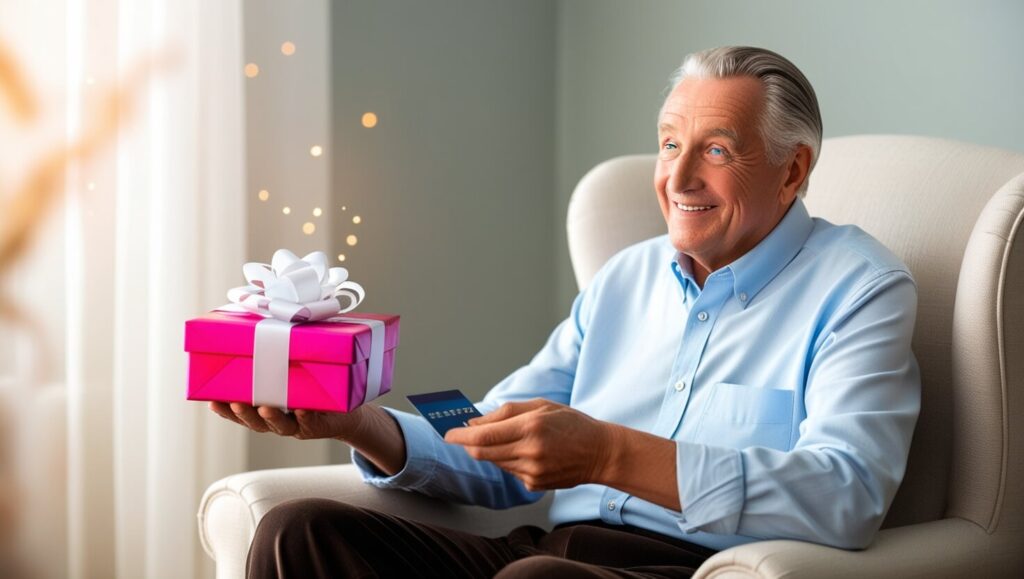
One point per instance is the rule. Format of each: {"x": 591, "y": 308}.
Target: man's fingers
{"x": 315, "y": 424}
{"x": 224, "y": 411}
{"x": 278, "y": 421}
{"x": 309, "y": 421}
{"x": 301, "y": 424}
{"x": 247, "y": 414}
{"x": 506, "y": 411}
{"x": 485, "y": 434}
{"x": 498, "y": 453}
{"x": 521, "y": 471}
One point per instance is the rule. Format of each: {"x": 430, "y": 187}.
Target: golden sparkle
{"x": 308, "y": 228}
{"x": 264, "y": 195}
{"x": 351, "y": 240}
{"x": 369, "y": 120}
{"x": 287, "y": 48}
{"x": 251, "y": 70}
{"x": 316, "y": 150}
{"x": 341, "y": 257}
{"x": 317, "y": 212}
{"x": 287, "y": 210}
{"x": 357, "y": 220}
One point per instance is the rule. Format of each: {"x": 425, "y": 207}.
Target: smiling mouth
{"x": 694, "y": 208}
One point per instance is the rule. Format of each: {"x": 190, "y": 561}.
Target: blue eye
{"x": 669, "y": 145}
{"x": 717, "y": 151}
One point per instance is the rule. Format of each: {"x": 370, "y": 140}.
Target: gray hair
{"x": 790, "y": 116}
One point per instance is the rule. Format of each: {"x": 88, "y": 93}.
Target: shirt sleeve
{"x": 436, "y": 468}
{"x": 862, "y": 399}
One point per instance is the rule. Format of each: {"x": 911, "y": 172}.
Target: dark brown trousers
{"x": 321, "y": 538}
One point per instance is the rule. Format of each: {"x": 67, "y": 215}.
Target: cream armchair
{"x": 953, "y": 212}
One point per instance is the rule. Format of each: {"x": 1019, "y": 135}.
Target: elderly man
{"x": 747, "y": 376}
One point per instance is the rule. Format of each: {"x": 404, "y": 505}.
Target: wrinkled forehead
{"x": 732, "y": 102}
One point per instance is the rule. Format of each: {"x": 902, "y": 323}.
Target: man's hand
{"x": 368, "y": 429}
{"x": 544, "y": 444}
{"x": 301, "y": 424}
{"x": 552, "y": 446}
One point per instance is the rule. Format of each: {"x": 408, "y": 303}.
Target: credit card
{"x": 445, "y": 410}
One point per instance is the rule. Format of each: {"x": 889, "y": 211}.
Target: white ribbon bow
{"x": 296, "y": 290}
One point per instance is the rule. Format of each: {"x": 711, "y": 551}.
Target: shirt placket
{"x": 700, "y": 321}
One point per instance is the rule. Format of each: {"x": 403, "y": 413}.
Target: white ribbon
{"x": 376, "y": 369}
{"x": 270, "y": 363}
{"x": 290, "y": 291}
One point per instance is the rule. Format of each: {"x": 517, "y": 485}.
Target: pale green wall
{"x": 941, "y": 68}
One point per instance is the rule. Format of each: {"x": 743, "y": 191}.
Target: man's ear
{"x": 796, "y": 173}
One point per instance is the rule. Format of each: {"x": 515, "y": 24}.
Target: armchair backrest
{"x": 952, "y": 211}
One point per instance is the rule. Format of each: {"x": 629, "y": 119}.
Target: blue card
{"x": 445, "y": 410}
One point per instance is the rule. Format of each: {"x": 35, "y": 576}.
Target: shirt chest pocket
{"x": 737, "y": 416}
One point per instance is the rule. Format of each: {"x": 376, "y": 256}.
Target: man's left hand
{"x": 544, "y": 444}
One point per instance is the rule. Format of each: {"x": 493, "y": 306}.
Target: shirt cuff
{"x": 711, "y": 488}
{"x": 420, "y": 455}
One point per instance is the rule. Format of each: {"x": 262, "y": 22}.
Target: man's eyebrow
{"x": 716, "y": 132}
{"x": 727, "y": 133}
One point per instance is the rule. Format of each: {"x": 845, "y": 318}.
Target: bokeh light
{"x": 316, "y": 150}
{"x": 287, "y": 48}
{"x": 357, "y": 220}
{"x": 308, "y": 228}
{"x": 287, "y": 210}
{"x": 251, "y": 70}
{"x": 317, "y": 212}
{"x": 264, "y": 195}
{"x": 351, "y": 240}
{"x": 90, "y": 186}
{"x": 369, "y": 120}
{"x": 341, "y": 257}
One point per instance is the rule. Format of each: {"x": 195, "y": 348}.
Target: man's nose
{"x": 684, "y": 175}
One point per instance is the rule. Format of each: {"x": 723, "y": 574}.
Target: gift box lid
{"x": 233, "y": 334}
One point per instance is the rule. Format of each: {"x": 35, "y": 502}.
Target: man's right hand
{"x": 368, "y": 429}
{"x": 301, "y": 424}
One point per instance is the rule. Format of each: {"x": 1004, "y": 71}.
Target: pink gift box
{"x": 327, "y": 361}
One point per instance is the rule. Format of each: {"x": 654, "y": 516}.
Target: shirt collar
{"x": 682, "y": 267}
{"x": 753, "y": 270}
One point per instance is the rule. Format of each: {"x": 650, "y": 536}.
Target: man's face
{"x": 717, "y": 191}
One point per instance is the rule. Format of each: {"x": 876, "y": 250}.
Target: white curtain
{"x": 154, "y": 233}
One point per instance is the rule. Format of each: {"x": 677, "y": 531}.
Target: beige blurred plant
{"x": 14, "y": 235}
{"x": 22, "y": 210}
{"x": 25, "y": 207}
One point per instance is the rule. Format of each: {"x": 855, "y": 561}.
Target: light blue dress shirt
{"x": 787, "y": 384}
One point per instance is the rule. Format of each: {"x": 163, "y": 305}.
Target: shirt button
{"x": 611, "y": 505}
{"x": 743, "y": 297}
{"x": 680, "y": 385}
{"x": 702, "y": 316}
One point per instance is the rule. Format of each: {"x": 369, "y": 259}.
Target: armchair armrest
{"x": 944, "y": 548}
{"x": 232, "y": 507}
